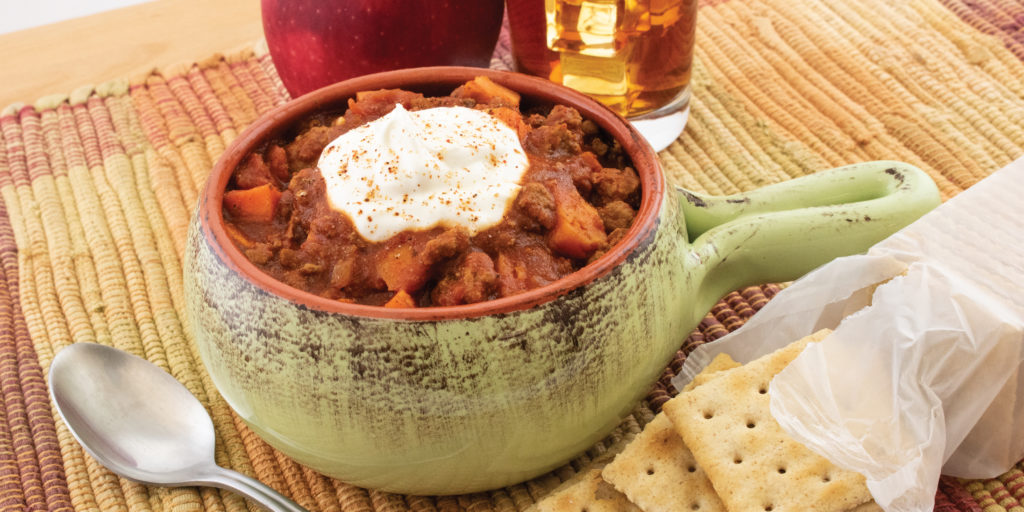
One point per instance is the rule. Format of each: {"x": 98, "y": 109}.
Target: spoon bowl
{"x": 141, "y": 423}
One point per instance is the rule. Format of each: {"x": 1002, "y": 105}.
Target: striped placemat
{"x": 97, "y": 187}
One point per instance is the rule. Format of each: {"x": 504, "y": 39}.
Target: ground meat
{"x": 527, "y": 268}
{"x": 307, "y": 190}
{"x": 295, "y": 233}
{"x": 581, "y": 171}
{"x": 277, "y": 161}
{"x": 308, "y": 187}
{"x": 309, "y": 268}
{"x": 553, "y": 141}
{"x": 259, "y": 253}
{"x": 284, "y": 205}
{"x": 615, "y": 156}
{"x": 324, "y": 237}
{"x": 252, "y": 173}
{"x": 305, "y": 150}
{"x": 343, "y": 271}
{"x": 372, "y": 105}
{"x": 563, "y": 115}
{"x": 446, "y": 101}
{"x": 447, "y": 245}
{"x": 473, "y": 279}
{"x": 614, "y": 237}
{"x": 616, "y": 214}
{"x": 534, "y": 120}
{"x": 289, "y": 258}
{"x": 612, "y": 184}
{"x": 327, "y": 226}
{"x": 598, "y": 146}
{"x": 536, "y": 201}
{"x": 295, "y": 280}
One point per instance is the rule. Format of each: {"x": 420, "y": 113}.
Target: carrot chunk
{"x": 512, "y": 119}
{"x": 401, "y": 269}
{"x": 238, "y": 237}
{"x": 401, "y": 300}
{"x": 483, "y": 90}
{"x": 578, "y": 230}
{"x": 253, "y": 205}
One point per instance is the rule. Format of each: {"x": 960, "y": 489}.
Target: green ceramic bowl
{"x": 461, "y": 399}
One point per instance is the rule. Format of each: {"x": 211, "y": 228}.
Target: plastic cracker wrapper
{"x": 922, "y": 374}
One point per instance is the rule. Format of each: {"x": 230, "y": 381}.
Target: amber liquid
{"x": 633, "y": 55}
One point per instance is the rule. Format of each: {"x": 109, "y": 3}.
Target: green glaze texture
{"x": 450, "y": 404}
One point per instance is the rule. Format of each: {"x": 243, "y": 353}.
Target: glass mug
{"x": 635, "y": 56}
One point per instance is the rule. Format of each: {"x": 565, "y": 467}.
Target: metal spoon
{"x": 141, "y": 423}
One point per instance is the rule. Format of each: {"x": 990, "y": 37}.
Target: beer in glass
{"x": 633, "y": 55}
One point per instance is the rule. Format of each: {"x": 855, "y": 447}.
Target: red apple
{"x": 314, "y": 43}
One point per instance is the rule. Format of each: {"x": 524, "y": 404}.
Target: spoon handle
{"x": 252, "y": 489}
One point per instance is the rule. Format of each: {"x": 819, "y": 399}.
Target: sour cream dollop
{"x": 444, "y": 166}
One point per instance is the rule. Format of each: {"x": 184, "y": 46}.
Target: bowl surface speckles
{"x": 466, "y": 398}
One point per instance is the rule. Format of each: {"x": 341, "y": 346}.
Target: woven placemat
{"x": 97, "y": 187}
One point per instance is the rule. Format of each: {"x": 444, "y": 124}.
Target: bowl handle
{"x": 780, "y": 232}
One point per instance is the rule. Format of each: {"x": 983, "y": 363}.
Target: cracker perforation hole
{"x": 650, "y": 471}
{"x": 695, "y": 506}
{"x": 762, "y": 390}
{"x": 708, "y": 415}
{"x": 826, "y": 478}
{"x": 737, "y": 460}
{"x": 751, "y": 424}
{"x": 768, "y": 508}
{"x": 691, "y": 468}
{"x": 782, "y": 471}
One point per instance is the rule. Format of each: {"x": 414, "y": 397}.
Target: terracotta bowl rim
{"x": 645, "y": 161}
